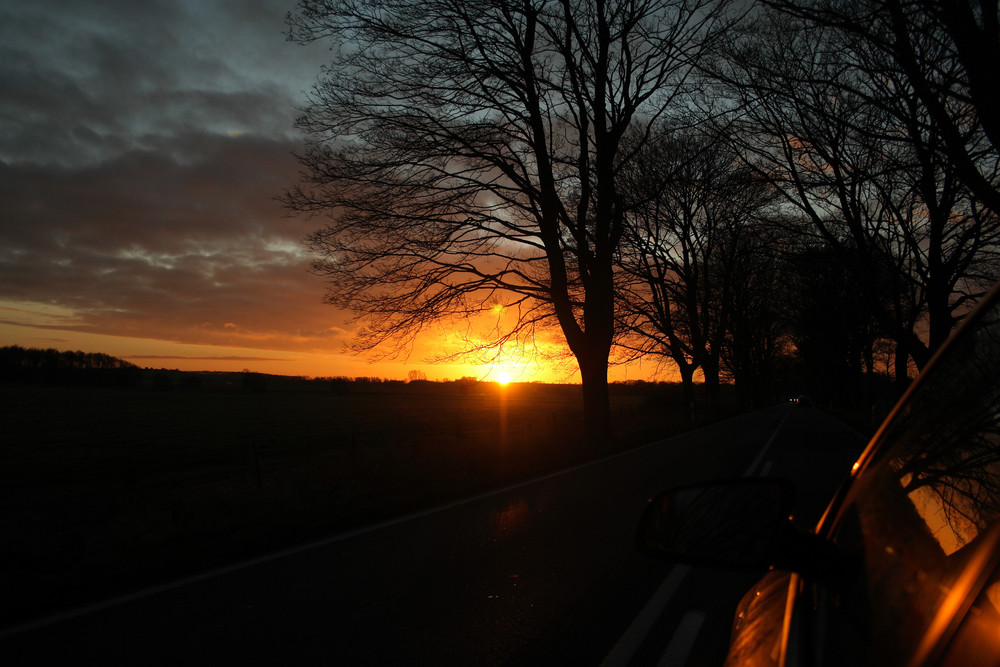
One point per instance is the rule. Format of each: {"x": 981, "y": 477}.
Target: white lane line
{"x": 683, "y": 639}
{"x": 265, "y": 558}
{"x": 767, "y": 445}
{"x": 94, "y": 607}
{"x": 629, "y": 643}
{"x": 766, "y": 469}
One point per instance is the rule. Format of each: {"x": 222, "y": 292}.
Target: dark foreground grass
{"x": 105, "y": 490}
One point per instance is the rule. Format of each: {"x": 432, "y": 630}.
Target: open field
{"x": 106, "y": 489}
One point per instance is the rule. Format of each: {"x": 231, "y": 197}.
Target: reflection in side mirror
{"x": 735, "y": 524}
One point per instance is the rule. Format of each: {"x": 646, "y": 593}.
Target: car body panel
{"x": 914, "y": 531}
{"x": 757, "y": 639}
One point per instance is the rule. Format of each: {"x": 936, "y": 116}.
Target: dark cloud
{"x": 141, "y": 148}
{"x": 85, "y": 79}
{"x": 155, "y": 247}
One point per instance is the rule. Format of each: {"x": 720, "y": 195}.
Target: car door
{"x": 917, "y": 530}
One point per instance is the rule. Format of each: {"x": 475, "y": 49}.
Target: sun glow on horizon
{"x": 190, "y": 348}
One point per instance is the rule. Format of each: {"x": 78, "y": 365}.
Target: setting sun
{"x": 503, "y": 377}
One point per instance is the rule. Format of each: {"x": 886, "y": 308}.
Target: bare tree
{"x": 688, "y": 244}
{"x": 758, "y": 334}
{"x": 831, "y": 119}
{"x": 466, "y": 154}
{"x": 947, "y": 52}
{"x": 830, "y": 322}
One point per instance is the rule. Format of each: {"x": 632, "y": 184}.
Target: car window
{"x": 920, "y": 526}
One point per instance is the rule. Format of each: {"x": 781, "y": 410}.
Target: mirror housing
{"x": 739, "y": 524}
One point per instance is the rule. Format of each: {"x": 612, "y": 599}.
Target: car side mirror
{"x": 738, "y": 524}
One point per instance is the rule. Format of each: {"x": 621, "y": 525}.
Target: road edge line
{"x": 626, "y": 647}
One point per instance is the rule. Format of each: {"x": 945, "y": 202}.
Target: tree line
{"x": 731, "y": 187}
{"x": 20, "y": 364}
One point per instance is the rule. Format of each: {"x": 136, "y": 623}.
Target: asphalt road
{"x": 542, "y": 573}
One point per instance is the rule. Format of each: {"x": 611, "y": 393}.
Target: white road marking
{"x": 266, "y": 558}
{"x": 767, "y": 446}
{"x": 626, "y": 647}
{"x": 629, "y": 643}
{"x": 681, "y": 643}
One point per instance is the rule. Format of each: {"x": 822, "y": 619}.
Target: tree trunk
{"x": 712, "y": 385}
{"x": 687, "y": 384}
{"x": 939, "y": 318}
{"x": 901, "y": 367}
{"x": 596, "y": 400}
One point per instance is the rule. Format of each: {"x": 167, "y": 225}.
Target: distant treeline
{"x": 51, "y": 366}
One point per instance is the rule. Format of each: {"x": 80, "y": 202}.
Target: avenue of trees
{"x": 747, "y": 191}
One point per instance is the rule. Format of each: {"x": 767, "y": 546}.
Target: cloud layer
{"x": 141, "y": 148}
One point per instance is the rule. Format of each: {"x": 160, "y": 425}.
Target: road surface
{"x": 541, "y": 573}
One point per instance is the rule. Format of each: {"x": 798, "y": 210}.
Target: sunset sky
{"x": 142, "y": 145}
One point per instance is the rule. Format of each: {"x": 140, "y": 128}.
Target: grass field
{"x": 103, "y": 490}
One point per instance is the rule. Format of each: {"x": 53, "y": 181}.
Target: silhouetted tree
{"x": 946, "y": 51}
{"x": 756, "y": 345}
{"x": 831, "y": 119}
{"x": 467, "y": 153}
{"x": 688, "y": 248}
{"x": 830, "y": 324}
{"x": 20, "y": 364}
